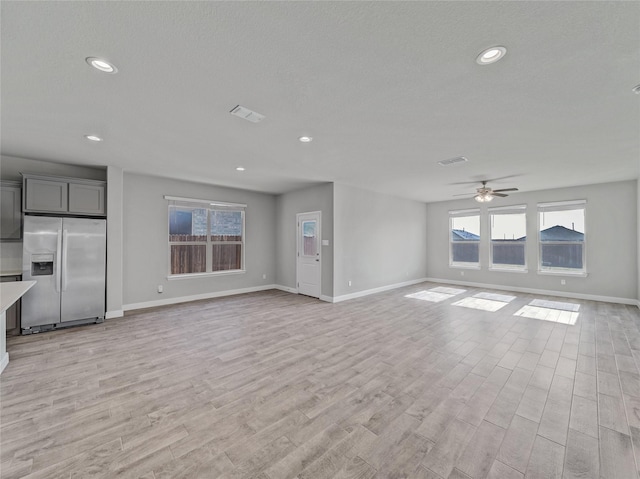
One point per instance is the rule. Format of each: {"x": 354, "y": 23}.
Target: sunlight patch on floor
{"x": 445, "y": 290}
{"x": 548, "y": 314}
{"x": 480, "y": 303}
{"x": 543, "y": 303}
{"x": 505, "y": 298}
{"x": 434, "y": 297}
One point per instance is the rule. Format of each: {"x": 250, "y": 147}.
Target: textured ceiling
{"x": 386, "y": 89}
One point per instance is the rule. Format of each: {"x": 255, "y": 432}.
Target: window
{"x": 561, "y": 234}
{"x": 508, "y": 228}
{"x": 205, "y": 237}
{"x": 464, "y": 238}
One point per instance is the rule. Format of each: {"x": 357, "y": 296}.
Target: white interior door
{"x": 309, "y": 264}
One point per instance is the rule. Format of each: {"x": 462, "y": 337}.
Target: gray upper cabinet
{"x": 86, "y": 199}
{"x": 64, "y": 195}
{"x": 46, "y": 195}
{"x": 10, "y": 211}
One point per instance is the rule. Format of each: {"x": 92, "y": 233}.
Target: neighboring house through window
{"x": 561, "y": 237}
{"x": 464, "y": 238}
{"x": 205, "y": 236}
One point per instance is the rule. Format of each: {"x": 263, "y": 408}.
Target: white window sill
{"x": 205, "y": 275}
{"x": 509, "y": 270}
{"x": 579, "y": 274}
{"x": 464, "y": 266}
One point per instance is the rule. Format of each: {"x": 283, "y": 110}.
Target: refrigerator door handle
{"x": 65, "y": 257}
{"x": 58, "y": 260}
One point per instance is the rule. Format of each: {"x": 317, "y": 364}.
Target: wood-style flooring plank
{"x": 271, "y": 385}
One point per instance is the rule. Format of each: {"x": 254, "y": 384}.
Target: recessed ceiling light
{"x": 491, "y": 55}
{"x": 305, "y": 139}
{"x": 240, "y": 168}
{"x": 93, "y": 138}
{"x": 636, "y": 89}
{"x": 101, "y": 64}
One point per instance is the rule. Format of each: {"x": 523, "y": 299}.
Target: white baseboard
{"x": 324, "y": 297}
{"x": 4, "y": 362}
{"x": 367, "y": 292}
{"x": 118, "y": 313}
{"x": 562, "y": 294}
{"x": 285, "y": 288}
{"x": 196, "y": 297}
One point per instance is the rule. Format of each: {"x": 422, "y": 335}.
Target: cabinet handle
{"x": 58, "y": 261}
{"x": 64, "y": 260}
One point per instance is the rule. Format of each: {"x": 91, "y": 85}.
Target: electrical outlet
{"x": 349, "y": 282}
{"x": 461, "y": 273}
{"x": 264, "y": 276}
{"x": 160, "y": 288}
{"x": 563, "y": 281}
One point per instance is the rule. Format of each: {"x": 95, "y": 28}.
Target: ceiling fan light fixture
{"x": 483, "y": 197}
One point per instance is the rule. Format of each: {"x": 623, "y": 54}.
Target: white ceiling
{"x": 386, "y": 89}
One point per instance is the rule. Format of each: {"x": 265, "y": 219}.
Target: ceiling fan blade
{"x": 465, "y": 194}
{"x": 505, "y": 189}
{"x": 499, "y": 195}
{"x": 490, "y": 180}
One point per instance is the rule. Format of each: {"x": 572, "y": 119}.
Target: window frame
{"x": 208, "y": 205}
{"x": 505, "y": 210}
{"x": 562, "y": 206}
{"x": 462, "y": 214}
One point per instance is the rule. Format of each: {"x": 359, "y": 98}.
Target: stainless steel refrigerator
{"x": 67, "y": 258}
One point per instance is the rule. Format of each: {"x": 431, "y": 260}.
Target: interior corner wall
{"x": 611, "y": 235}
{"x": 314, "y": 198}
{"x": 115, "y": 210}
{"x": 380, "y": 240}
{"x": 146, "y": 253}
{"x": 638, "y": 242}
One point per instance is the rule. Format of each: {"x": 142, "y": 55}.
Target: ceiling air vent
{"x": 453, "y": 161}
{"x": 247, "y": 114}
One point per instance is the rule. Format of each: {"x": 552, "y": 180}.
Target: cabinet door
{"x": 87, "y": 199}
{"x": 13, "y": 313}
{"x": 46, "y": 195}
{"x": 10, "y": 212}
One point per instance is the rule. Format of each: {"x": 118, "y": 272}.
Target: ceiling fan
{"x": 484, "y": 193}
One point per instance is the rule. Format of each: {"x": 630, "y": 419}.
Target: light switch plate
{"x": 325, "y": 242}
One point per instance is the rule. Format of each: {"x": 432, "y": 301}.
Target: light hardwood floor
{"x": 277, "y": 386}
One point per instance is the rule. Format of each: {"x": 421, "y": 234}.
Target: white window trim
{"x": 209, "y": 205}
{"x": 562, "y": 206}
{"x": 506, "y": 210}
{"x": 172, "y": 277}
{"x": 507, "y": 269}
{"x": 460, "y": 214}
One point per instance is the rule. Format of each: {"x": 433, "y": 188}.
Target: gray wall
{"x": 11, "y": 167}
{"x": 611, "y": 234}
{"x": 315, "y": 198}
{"x": 146, "y": 261}
{"x": 380, "y": 240}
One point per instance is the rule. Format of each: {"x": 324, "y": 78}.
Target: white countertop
{"x": 12, "y": 292}
{"x": 11, "y": 272}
